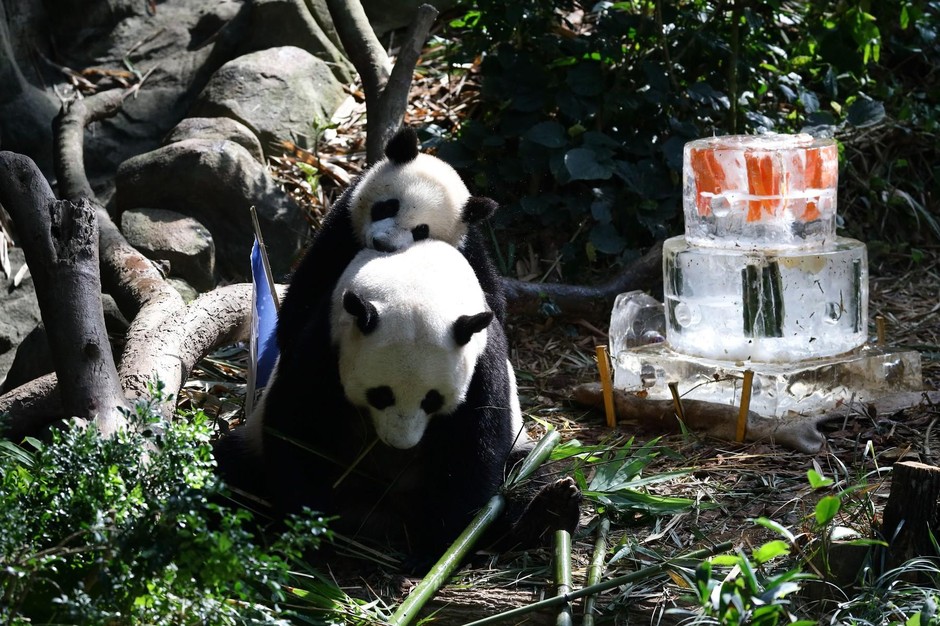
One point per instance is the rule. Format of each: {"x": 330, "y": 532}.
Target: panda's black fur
{"x": 420, "y": 498}
{"x": 437, "y": 486}
{"x": 336, "y": 243}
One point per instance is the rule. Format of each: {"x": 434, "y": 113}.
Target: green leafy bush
{"x": 585, "y": 107}
{"x": 131, "y": 530}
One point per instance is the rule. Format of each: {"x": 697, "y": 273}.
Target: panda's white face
{"x": 409, "y": 327}
{"x": 397, "y": 204}
{"x": 402, "y": 386}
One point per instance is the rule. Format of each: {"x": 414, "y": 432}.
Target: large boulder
{"x": 216, "y": 182}
{"x": 216, "y": 128}
{"x": 19, "y": 311}
{"x": 302, "y": 23}
{"x": 178, "y": 45}
{"x": 178, "y": 239}
{"x": 279, "y": 93}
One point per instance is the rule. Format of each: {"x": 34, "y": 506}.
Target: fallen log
{"x": 533, "y": 299}
{"x": 719, "y": 421}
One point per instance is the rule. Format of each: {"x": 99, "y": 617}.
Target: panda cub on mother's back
{"x": 406, "y": 197}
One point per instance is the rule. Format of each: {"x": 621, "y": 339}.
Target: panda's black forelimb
{"x": 332, "y": 249}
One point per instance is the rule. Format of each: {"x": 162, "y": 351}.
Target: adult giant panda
{"x": 406, "y": 197}
{"x": 407, "y": 385}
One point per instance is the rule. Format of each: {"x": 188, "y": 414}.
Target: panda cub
{"x": 408, "y": 385}
{"x": 406, "y": 197}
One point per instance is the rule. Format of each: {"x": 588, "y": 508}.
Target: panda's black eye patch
{"x": 432, "y": 402}
{"x": 385, "y": 209}
{"x": 380, "y": 397}
{"x": 420, "y": 232}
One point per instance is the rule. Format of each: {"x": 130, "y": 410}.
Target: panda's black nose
{"x": 383, "y": 246}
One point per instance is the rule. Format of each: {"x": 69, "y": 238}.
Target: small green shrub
{"x": 133, "y": 529}
{"x": 746, "y": 595}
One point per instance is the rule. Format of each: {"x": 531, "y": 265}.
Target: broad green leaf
{"x": 778, "y": 528}
{"x": 727, "y": 560}
{"x": 582, "y": 164}
{"x": 606, "y": 239}
{"x": 771, "y": 550}
{"x": 810, "y": 101}
{"x": 586, "y": 79}
{"x": 550, "y": 134}
{"x": 864, "y": 112}
{"x": 816, "y": 480}
{"x": 826, "y": 509}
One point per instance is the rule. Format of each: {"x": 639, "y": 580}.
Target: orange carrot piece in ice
{"x": 813, "y": 180}
{"x": 709, "y": 178}
{"x": 762, "y": 180}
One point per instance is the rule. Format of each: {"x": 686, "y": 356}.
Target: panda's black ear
{"x": 468, "y": 325}
{"x": 367, "y": 318}
{"x": 403, "y": 147}
{"x": 478, "y": 208}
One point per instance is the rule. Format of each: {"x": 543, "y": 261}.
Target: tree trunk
{"x": 912, "y": 512}
{"x": 60, "y": 240}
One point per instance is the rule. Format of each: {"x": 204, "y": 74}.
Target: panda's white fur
{"x": 429, "y": 193}
{"x": 412, "y": 354}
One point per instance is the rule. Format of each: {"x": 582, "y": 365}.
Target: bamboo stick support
{"x": 741, "y": 432}
{"x": 603, "y": 366}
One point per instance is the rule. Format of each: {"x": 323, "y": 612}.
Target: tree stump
{"x": 912, "y": 512}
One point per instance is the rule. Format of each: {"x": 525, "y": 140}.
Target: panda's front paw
{"x": 557, "y": 506}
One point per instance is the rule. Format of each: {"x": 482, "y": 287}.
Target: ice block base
{"x": 766, "y": 305}
{"x": 806, "y": 387}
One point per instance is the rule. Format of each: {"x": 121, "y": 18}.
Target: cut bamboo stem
{"x": 455, "y": 554}
{"x": 603, "y": 366}
{"x": 563, "y": 575}
{"x": 643, "y": 574}
{"x": 596, "y": 569}
{"x": 880, "y": 326}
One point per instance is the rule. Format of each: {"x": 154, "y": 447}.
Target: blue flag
{"x": 263, "y": 345}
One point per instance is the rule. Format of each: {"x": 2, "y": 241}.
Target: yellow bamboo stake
{"x": 745, "y": 405}
{"x": 677, "y": 401}
{"x": 880, "y": 325}
{"x": 603, "y": 365}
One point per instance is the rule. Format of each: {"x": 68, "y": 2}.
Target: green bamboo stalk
{"x": 857, "y": 283}
{"x": 442, "y": 570}
{"x": 563, "y": 575}
{"x": 750, "y": 291}
{"x": 596, "y": 569}
{"x": 777, "y": 285}
{"x": 536, "y": 457}
{"x": 643, "y": 574}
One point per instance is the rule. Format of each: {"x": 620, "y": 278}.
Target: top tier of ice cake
{"x": 760, "y": 191}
